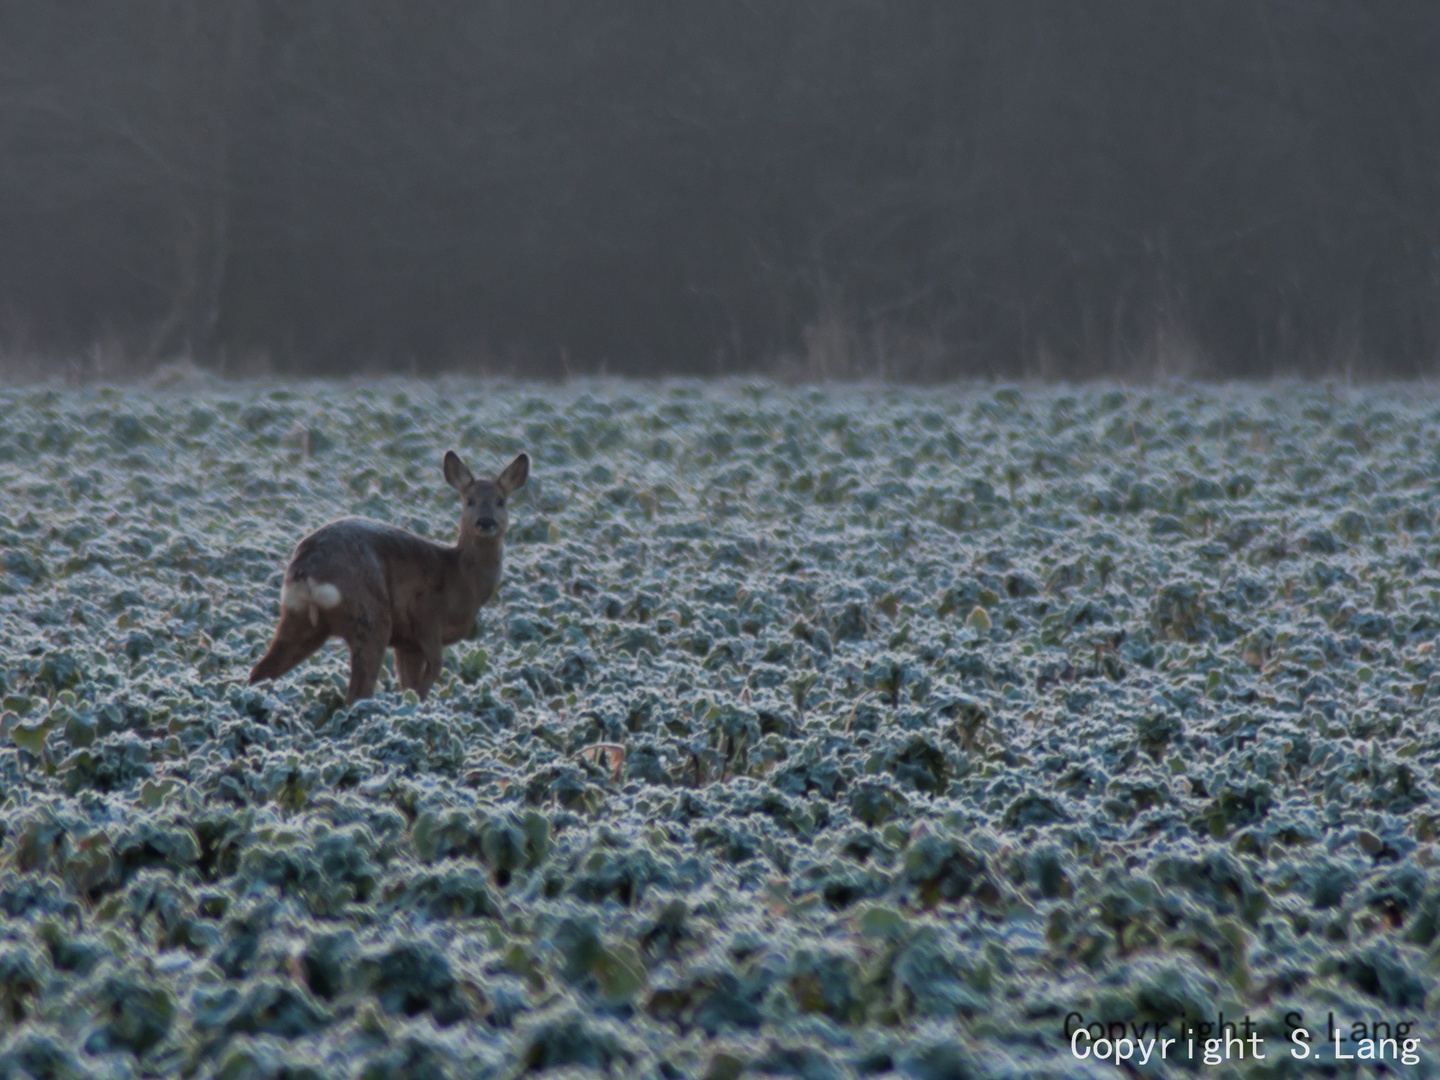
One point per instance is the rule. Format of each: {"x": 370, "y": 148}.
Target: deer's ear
{"x": 456, "y": 474}
{"x": 515, "y": 474}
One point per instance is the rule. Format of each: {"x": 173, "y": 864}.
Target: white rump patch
{"x": 307, "y": 596}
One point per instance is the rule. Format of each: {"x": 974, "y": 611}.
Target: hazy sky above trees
{"x": 922, "y": 187}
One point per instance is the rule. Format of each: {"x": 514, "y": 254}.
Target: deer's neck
{"x": 479, "y": 561}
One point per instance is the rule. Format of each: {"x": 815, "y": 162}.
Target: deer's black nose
{"x": 486, "y": 524}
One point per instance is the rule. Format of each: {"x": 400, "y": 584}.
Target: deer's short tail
{"x": 306, "y": 596}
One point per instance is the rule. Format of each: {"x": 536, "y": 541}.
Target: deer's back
{"x": 376, "y": 557}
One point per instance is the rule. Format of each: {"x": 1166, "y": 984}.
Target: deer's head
{"x": 484, "y": 515}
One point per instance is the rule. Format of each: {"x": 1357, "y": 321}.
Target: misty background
{"x": 818, "y": 188}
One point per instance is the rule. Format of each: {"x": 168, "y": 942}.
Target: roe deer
{"x": 377, "y": 586}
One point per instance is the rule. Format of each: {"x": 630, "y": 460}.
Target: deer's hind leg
{"x": 423, "y": 661}
{"x": 296, "y": 638}
{"x": 410, "y": 667}
{"x": 367, "y": 654}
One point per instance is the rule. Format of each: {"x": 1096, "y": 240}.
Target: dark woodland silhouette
{"x": 921, "y": 188}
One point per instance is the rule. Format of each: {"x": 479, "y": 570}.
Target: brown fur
{"x": 377, "y": 587}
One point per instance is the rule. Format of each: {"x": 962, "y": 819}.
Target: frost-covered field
{"x": 814, "y": 733}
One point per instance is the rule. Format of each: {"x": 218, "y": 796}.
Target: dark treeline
{"x": 918, "y": 188}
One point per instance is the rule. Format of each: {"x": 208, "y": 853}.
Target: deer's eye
{"x": 499, "y": 502}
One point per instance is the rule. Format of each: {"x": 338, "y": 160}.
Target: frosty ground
{"x": 814, "y": 732}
